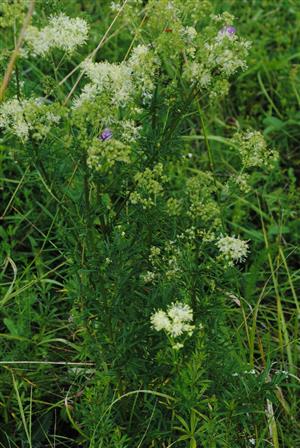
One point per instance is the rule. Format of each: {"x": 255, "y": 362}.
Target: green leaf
{"x": 11, "y": 327}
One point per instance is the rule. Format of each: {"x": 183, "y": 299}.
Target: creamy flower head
{"x": 234, "y": 249}
{"x": 180, "y": 312}
{"x": 22, "y": 117}
{"x": 137, "y": 54}
{"x": 218, "y": 57}
{"x": 160, "y": 321}
{"x": 120, "y": 82}
{"x": 176, "y": 321}
{"x": 12, "y": 118}
{"x": 62, "y": 32}
{"x": 113, "y": 80}
{"x": 143, "y": 63}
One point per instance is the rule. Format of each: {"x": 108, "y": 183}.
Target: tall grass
{"x": 118, "y": 210}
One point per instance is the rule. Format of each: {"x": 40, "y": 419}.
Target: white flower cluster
{"x": 148, "y": 277}
{"x": 115, "y": 6}
{"x": 245, "y": 372}
{"x": 232, "y": 248}
{"x": 253, "y": 149}
{"x": 128, "y": 130}
{"x": 143, "y": 65}
{"x": 197, "y": 72}
{"x": 62, "y": 32}
{"x": 227, "y": 52}
{"x": 108, "y": 78}
{"x": 190, "y": 33}
{"x": 242, "y": 181}
{"x": 20, "y": 117}
{"x": 12, "y": 118}
{"x": 222, "y": 55}
{"x": 120, "y": 82}
{"x": 176, "y": 321}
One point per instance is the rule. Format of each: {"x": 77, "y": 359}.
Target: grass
{"x": 80, "y": 365}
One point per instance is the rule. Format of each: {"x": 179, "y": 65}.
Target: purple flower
{"x": 105, "y": 135}
{"x": 228, "y": 30}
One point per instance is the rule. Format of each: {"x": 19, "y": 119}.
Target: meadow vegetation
{"x": 149, "y": 173}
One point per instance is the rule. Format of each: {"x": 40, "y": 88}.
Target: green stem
{"x": 88, "y": 215}
{"x": 211, "y": 163}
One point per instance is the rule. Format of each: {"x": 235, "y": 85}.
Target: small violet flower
{"x": 228, "y": 31}
{"x": 105, "y": 135}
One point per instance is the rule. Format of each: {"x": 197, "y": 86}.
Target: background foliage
{"x": 75, "y": 250}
